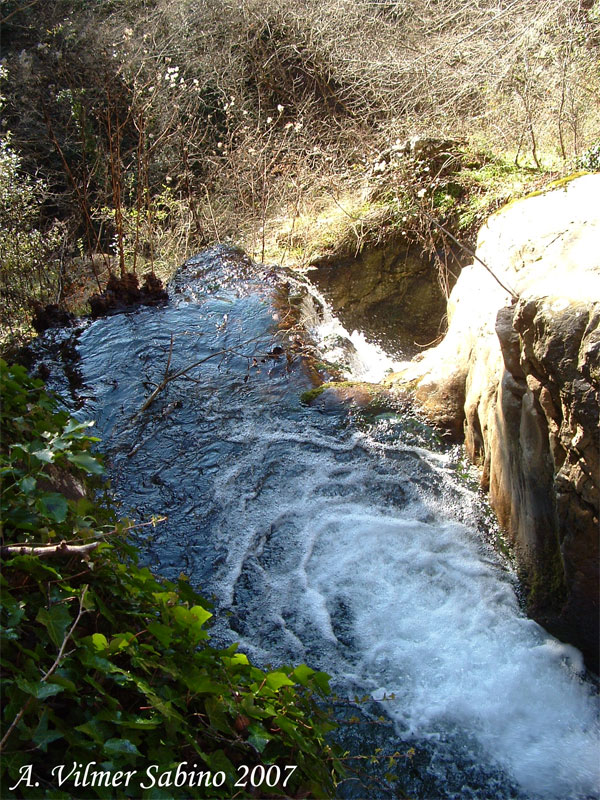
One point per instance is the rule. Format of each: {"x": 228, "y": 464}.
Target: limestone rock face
{"x": 520, "y": 379}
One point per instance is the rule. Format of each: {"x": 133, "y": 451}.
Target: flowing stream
{"x": 334, "y": 539}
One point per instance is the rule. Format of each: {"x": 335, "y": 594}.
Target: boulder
{"x": 341, "y": 395}
{"x": 518, "y": 376}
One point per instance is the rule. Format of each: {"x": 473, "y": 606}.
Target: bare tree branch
{"x": 17, "y": 10}
{"x": 47, "y": 550}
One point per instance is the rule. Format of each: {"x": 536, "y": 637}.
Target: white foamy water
{"x": 363, "y": 360}
{"x": 407, "y": 601}
{"x": 438, "y": 627}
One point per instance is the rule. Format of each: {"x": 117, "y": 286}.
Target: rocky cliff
{"x": 518, "y": 375}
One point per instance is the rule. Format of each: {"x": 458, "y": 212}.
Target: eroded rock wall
{"x": 520, "y": 380}
{"x": 542, "y": 460}
{"x": 389, "y": 283}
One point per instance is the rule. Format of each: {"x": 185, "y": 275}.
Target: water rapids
{"x": 340, "y": 542}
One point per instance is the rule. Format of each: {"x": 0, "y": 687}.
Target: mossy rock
{"x": 337, "y": 396}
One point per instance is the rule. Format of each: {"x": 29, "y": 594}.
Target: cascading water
{"x": 348, "y": 547}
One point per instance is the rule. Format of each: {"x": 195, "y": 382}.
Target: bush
{"x": 105, "y": 664}
{"x": 29, "y": 268}
{"x": 590, "y": 159}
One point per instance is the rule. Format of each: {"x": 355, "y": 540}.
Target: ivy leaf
{"x": 259, "y": 737}
{"x": 161, "y": 632}
{"x": 95, "y": 729}
{"x": 113, "y": 746}
{"x": 202, "y": 684}
{"x": 14, "y": 608}
{"x": 191, "y": 620}
{"x": 275, "y": 680}
{"x": 218, "y": 762}
{"x": 87, "y": 462}
{"x": 53, "y": 505}
{"x": 66, "y": 683}
{"x": 237, "y": 659}
{"x": 46, "y": 455}
{"x": 76, "y": 430}
{"x": 216, "y": 715}
{"x": 120, "y": 642}
{"x": 99, "y": 641}
{"x": 200, "y": 613}
{"x": 252, "y": 709}
{"x": 27, "y": 484}
{"x": 302, "y": 674}
{"x": 42, "y": 736}
{"x": 39, "y": 690}
{"x": 322, "y": 680}
{"x": 56, "y": 620}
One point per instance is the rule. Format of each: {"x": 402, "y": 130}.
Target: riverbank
{"x": 111, "y": 686}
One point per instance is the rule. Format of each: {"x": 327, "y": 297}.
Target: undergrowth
{"x": 104, "y": 663}
{"x": 157, "y": 128}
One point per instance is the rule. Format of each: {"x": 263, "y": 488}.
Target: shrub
{"x": 590, "y": 159}
{"x": 105, "y": 664}
{"x": 29, "y": 267}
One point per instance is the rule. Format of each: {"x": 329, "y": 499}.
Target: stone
{"x": 341, "y": 395}
{"x": 50, "y": 316}
{"x": 519, "y": 379}
{"x": 392, "y": 284}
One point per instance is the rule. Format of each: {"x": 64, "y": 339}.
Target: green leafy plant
{"x": 590, "y": 159}
{"x": 107, "y": 666}
{"x": 30, "y": 268}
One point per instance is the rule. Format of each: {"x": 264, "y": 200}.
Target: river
{"x": 336, "y": 539}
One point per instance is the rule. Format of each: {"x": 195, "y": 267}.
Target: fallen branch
{"x": 47, "y": 550}
{"x": 21, "y": 547}
{"x": 168, "y": 377}
{"x": 167, "y": 411}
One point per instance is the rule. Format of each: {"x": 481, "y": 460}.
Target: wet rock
{"x": 338, "y": 396}
{"x": 389, "y": 288}
{"x": 61, "y": 480}
{"x": 50, "y": 316}
{"x": 124, "y": 292}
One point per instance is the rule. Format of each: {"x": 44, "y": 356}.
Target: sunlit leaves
{"x": 87, "y": 462}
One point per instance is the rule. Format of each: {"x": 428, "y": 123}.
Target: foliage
{"x": 158, "y": 234}
{"x": 105, "y": 664}
{"x": 590, "y": 159}
{"x": 29, "y": 266}
{"x": 256, "y": 114}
